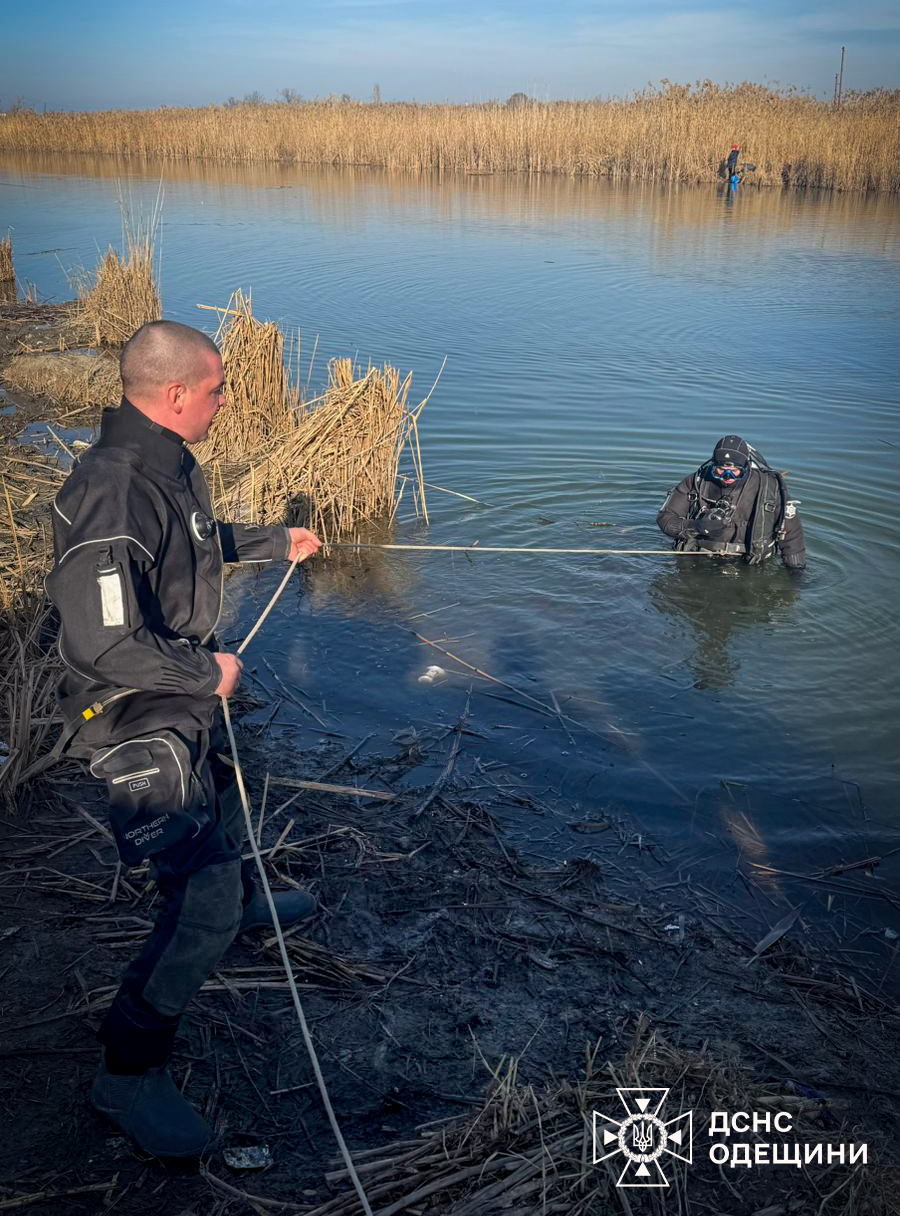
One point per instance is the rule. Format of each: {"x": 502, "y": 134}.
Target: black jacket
{"x": 138, "y": 582}
{"x": 697, "y": 493}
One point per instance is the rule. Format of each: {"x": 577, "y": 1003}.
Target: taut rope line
{"x": 352, "y": 544}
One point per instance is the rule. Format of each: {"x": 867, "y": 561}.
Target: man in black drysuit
{"x": 736, "y": 506}
{"x": 137, "y": 582}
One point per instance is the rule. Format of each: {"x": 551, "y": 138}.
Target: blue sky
{"x": 97, "y": 54}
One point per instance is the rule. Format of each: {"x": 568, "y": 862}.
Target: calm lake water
{"x": 598, "y": 341}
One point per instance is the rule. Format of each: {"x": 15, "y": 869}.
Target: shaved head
{"x": 160, "y": 352}
{"x": 173, "y": 374}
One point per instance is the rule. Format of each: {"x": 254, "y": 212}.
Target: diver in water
{"x": 735, "y": 505}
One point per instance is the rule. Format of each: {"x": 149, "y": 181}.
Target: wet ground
{"x": 440, "y": 950}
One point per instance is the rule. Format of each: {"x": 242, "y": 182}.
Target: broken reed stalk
{"x": 7, "y": 270}
{"x": 263, "y": 405}
{"x": 8, "y": 289}
{"x": 124, "y": 295}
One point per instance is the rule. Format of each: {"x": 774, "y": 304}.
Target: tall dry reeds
{"x": 338, "y": 467}
{"x": 676, "y": 133}
{"x": 262, "y": 403}
{"x": 124, "y": 294}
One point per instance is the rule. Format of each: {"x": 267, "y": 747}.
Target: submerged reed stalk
{"x": 124, "y": 295}
{"x": 262, "y": 403}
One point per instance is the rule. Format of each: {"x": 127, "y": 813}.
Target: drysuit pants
{"x": 202, "y": 887}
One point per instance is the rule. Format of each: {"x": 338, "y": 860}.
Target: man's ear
{"x": 174, "y": 396}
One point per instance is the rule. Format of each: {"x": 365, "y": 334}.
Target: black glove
{"x": 709, "y": 528}
{"x": 795, "y": 561}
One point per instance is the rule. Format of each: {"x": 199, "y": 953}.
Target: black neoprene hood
{"x": 731, "y": 449}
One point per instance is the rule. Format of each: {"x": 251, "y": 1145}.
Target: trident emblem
{"x": 641, "y": 1136}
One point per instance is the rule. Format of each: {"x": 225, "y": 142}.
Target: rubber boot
{"x": 291, "y": 906}
{"x": 150, "y": 1110}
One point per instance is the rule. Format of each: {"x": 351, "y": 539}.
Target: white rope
{"x": 307, "y": 1037}
{"x": 352, "y": 544}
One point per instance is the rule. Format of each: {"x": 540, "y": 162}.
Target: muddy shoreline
{"x": 441, "y": 951}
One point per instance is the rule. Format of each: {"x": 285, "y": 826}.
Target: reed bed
{"x": 263, "y": 405}
{"x": 66, "y": 378}
{"x": 675, "y": 133}
{"x": 124, "y": 294}
{"x": 338, "y": 466}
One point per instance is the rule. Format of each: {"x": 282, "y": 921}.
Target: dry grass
{"x": 262, "y": 403}
{"x": 529, "y": 1150}
{"x": 337, "y": 467}
{"x": 30, "y": 668}
{"x": 67, "y": 378}
{"x": 29, "y": 663}
{"x": 677, "y": 133}
{"x": 124, "y": 294}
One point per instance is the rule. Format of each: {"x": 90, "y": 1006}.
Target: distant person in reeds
{"x": 138, "y": 584}
{"x": 731, "y": 163}
{"x": 735, "y": 505}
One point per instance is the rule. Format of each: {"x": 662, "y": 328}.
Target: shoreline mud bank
{"x": 456, "y": 988}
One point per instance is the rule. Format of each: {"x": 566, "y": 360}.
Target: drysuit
{"x": 137, "y": 582}
{"x": 750, "y": 518}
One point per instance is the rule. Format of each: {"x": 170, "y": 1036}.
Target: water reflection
{"x": 718, "y": 600}
{"x": 342, "y": 197}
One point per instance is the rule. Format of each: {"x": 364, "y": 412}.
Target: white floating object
{"x": 430, "y": 674}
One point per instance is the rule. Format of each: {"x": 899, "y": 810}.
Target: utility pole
{"x": 840, "y": 88}
{"x": 834, "y": 102}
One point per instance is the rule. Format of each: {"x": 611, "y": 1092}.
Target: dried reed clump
{"x": 30, "y": 668}
{"x": 262, "y": 404}
{"x": 29, "y": 664}
{"x": 674, "y": 133}
{"x": 124, "y": 295}
{"x": 7, "y": 270}
{"x": 530, "y": 1149}
{"x": 67, "y": 378}
{"x": 339, "y": 466}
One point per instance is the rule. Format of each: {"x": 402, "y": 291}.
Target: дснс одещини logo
{"x": 642, "y": 1137}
